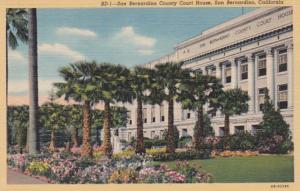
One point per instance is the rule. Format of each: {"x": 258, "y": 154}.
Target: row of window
{"x": 261, "y": 66}
{"x": 282, "y": 96}
{"x": 238, "y": 129}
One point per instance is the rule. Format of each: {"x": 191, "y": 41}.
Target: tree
{"x": 231, "y": 102}
{"x": 140, "y": 84}
{"x": 164, "y": 87}
{"x": 33, "y": 131}
{"x": 275, "y": 135}
{"x": 80, "y": 84}
{"x": 74, "y": 122}
{"x": 194, "y": 94}
{"x": 112, "y": 86}
{"x": 97, "y": 123}
{"x": 16, "y": 30}
{"x": 53, "y": 117}
{"x": 18, "y": 119}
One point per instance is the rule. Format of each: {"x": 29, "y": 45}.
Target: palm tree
{"x": 33, "y": 131}
{"x": 74, "y": 113}
{"x": 194, "y": 94}
{"x": 231, "y": 102}
{"x": 113, "y": 86}
{"x": 80, "y": 85}
{"x": 53, "y": 117}
{"x": 16, "y": 30}
{"x": 140, "y": 84}
{"x": 164, "y": 87}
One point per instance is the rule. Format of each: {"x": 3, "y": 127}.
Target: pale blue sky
{"x": 120, "y": 36}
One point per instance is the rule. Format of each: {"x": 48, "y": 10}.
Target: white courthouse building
{"x": 251, "y": 52}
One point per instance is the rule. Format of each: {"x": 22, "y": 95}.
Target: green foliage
{"x": 184, "y": 141}
{"x": 242, "y": 141}
{"x": 208, "y": 129}
{"x": 149, "y": 143}
{"x": 187, "y": 155}
{"x": 275, "y": 135}
{"x": 232, "y": 102}
{"x": 176, "y": 136}
{"x": 16, "y": 27}
{"x": 17, "y": 123}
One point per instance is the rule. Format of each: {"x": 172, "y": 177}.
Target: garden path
{"x": 19, "y": 178}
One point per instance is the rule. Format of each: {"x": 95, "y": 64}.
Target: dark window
{"x": 262, "y": 62}
{"x": 188, "y": 116}
{"x": 153, "y": 119}
{"x": 162, "y": 118}
{"x": 228, "y": 79}
{"x": 145, "y": 120}
{"x": 282, "y": 60}
{"x": 282, "y": 96}
{"x": 130, "y": 122}
{"x": 244, "y": 71}
{"x": 239, "y": 129}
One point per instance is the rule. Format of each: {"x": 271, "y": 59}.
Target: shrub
{"x": 184, "y": 141}
{"x": 187, "y": 155}
{"x": 176, "y": 136}
{"x": 38, "y": 168}
{"x": 149, "y": 143}
{"x": 241, "y": 141}
{"x": 156, "y": 151}
{"x": 123, "y": 176}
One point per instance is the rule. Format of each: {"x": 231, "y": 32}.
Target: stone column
{"x": 238, "y": 76}
{"x": 219, "y": 76}
{"x": 290, "y": 63}
{"x": 256, "y": 107}
{"x": 251, "y": 84}
{"x": 218, "y": 71}
{"x": 233, "y": 74}
{"x": 270, "y": 73}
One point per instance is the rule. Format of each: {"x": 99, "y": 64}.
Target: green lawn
{"x": 275, "y": 168}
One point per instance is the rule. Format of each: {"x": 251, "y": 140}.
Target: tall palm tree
{"x": 113, "y": 86}
{"x": 194, "y": 94}
{"x": 231, "y": 102}
{"x": 165, "y": 83}
{"x": 16, "y": 30}
{"x": 140, "y": 84}
{"x": 80, "y": 84}
{"x": 33, "y": 131}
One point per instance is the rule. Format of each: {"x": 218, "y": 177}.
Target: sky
{"x": 120, "y": 36}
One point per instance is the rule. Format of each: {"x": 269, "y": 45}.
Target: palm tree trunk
{"x": 199, "y": 130}
{"x": 226, "y": 130}
{"x": 106, "y": 128}
{"x": 170, "y": 144}
{"x": 33, "y": 138}
{"x": 75, "y": 137}
{"x": 86, "y": 146}
{"x": 52, "y": 142}
{"x": 140, "y": 147}
{"x": 98, "y": 135}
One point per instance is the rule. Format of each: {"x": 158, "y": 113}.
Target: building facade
{"x": 251, "y": 52}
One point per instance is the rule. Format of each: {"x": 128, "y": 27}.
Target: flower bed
{"x": 70, "y": 168}
{"x": 228, "y": 153}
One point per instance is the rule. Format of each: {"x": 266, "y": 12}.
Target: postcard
{"x": 153, "y": 95}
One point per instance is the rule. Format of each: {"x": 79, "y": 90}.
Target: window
{"x": 188, "y": 115}
{"x": 161, "y": 132}
{"x": 212, "y": 71}
{"x": 239, "y": 129}
{"x": 162, "y": 113}
{"x": 244, "y": 71}
{"x": 261, "y": 66}
{"x": 153, "y": 113}
{"x": 261, "y": 98}
{"x": 227, "y": 73}
{"x": 129, "y": 117}
{"x": 256, "y": 129}
{"x": 282, "y": 60}
{"x": 184, "y": 132}
{"x": 221, "y": 131}
{"x": 282, "y": 96}
{"x": 145, "y": 115}
{"x": 152, "y": 134}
